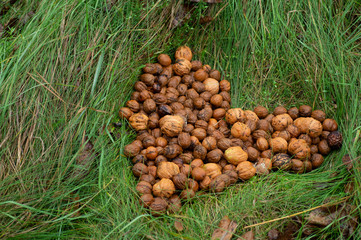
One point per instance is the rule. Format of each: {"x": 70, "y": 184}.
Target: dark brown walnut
{"x": 269, "y": 117}
{"x": 147, "y": 78}
{"x": 147, "y": 178}
{"x": 209, "y": 143}
{"x": 172, "y": 150}
{"x": 192, "y": 118}
{"x": 251, "y": 125}
{"x": 196, "y": 163}
{"x": 260, "y": 133}
{"x": 140, "y": 158}
{"x": 267, "y": 154}
{"x": 174, "y": 81}
{"x": 281, "y": 161}
{"x": 153, "y": 122}
{"x": 204, "y": 184}
{"x": 308, "y": 166}
{"x": 293, "y": 130}
{"x": 162, "y": 80}
{"x": 207, "y": 68}
{"x": 297, "y": 166}
{"x": 180, "y": 180}
{"x": 182, "y": 89}
{"x": 141, "y": 135}
{"x": 226, "y": 96}
{"x": 149, "y": 106}
{"x": 174, "y": 204}
{"x": 314, "y": 149}
{"x": 200, "y": 75}
{"x": 246, "y": 144}
{"x": 225, "y": 105}
{"x": 182, "y": 99}
{"x": 198, "y": 103}
{"x": 199, "y": 86}
{"x": 264, "y": 125}
{"x": 214, "y": 156}
{"x": 152, "y": 170}
{"x": 305, "y": 111}
{"x": 205, "y": 114}
{"x": 196, "y": 65}
{"x": 131, "y": 150}
{"x": 216, "y": 100}
{"x": 225, "y": 85}
{"x": 186, "y": 157}
{"x": 224, "y": 143}
{"x": 173, "y": 141}
{"x": 316, "y": 140}
{"x": 146, "y": 200}
{"x": 176, "y": 106}
{"x": 158, "y": 206}
{"x": 261, "y": 111}
{"x": 206, "y": 96}
{"x": 148, "y": 141}
{"x": 164, "y": 60}
{"x": 159, "y": 98}
{"x": 139, "y": 142}
{"x": 150, "y": 68}
{"x": 223, "y": 162}
{"x": 323, "y": 147}
{"x": 140, "y": 86}
{"x": 293, "y": 112}
{"x": 279, "y": 110}
{"x": 140, "y": 169}
{"x": 188, "y": 128}
{"x": 186, "y": 169}
{"x": 306, "y": 138}
{"x": 200, "y": 152}
{"x": 319, "y": 115}
{"x": 156, "y": 132}
{"x": 187, "y": 194}
{"x": 133, "y": 105}
{"x": 194, "y": 142}
{"x": 192, "y": 184}
{"x": 159, "y": 159}
{"x": 225, "y": 131}
{"x": 219, "y": 113}
{"x": 192, "y": 94}
{"x": 199, "y": 133}
{"x": 184, "y": 140}
{"x": 144, "y": 187}
{"x": 219, "y": 183}
{"x": 217, "y": 135}
{"x": 167, "y": 71}
{"x": 134, "y": 96}
{"x": 324, "y": 134}
{"x": 228, "y": 167}
{"x": 334, "y": 140}
{"x": 171, "y": 97}
{"x": 156, "y": 88}
{"x": 316, "y": 160}
{"x": 198, "y": 173}
{"x": 232, "y": 174}
{"x": 253, "y": 154}
{"x": 329, "y": 125}
{"x": 283, "y": 134}
{"x": 262, "y": 144}
{"x": 215, "y": 74}
{"x": 188, "y": 80}
{"x": 125, "y": 113}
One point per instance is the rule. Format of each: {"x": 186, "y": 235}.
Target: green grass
{"x": 66, "y": 72}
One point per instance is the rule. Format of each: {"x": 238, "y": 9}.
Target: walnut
{"x": 245, "y": 170}
{"x": 323, "y": 147}
{"x": 262, "y": 144}
{"x": 199, "y": 87}
{"x": 187, "y": 194}
{"x": 147, "y": 178}
{"x": 147, "y": 78}
{"x": 260, "y": 134}
{"x": 219, "y": 183}
{"x": 184, "y": 140}
{"x": 309, "y": 126}
{"x": 305, "y": 111}
{"x": 198, "y": 173}
{"x": 278, "y": 145}
{"x": 172, "y": 150}
{"x": 219, "y": 113}
{"x": 174, "y": 81}
{"x": 293, "y": 112}
{"x": 184, "y": 52}
{"x": 180, "y": 180}
{"x": 186, "y": 169}
{"x": 224, "y": 143}
{"x": 319, "y": 115}
{"x": 235, "y": 115}
{"x": 148, "y": 141}
{"x": 186, "y": 157}
{"x": 334, "y": 140}
{"x": 144, "y": 187}
{"x": 196, "y": 163}
{"x": 131, "y": 150}
{"x": 167, "y": 170}
{"x": 299, "y": 148}
{"x": 196, "y": 65}
{"x": 133, "y": 105}
{"x": 329, "y": 125}
{"x": 140, "y": 169}
{"x": 279, "y": 110}
{"x": 261, "y": 111}
{"x": 293, "y": 130}
{"x": 235, "y": 155}
{"x": 253, "y": 154}
{"x": 232, "y": 174}
{"x": 158, "y": 206}
{"x": 282, "y": 134}
{"x": 214, "y": 156}
{"x": 200, "y": 152}
{"x": 251, "y": 116}
{"x": 205, "y": 114}
{"x": 263, "y": 166}
{"x": 212, "y": 170}
{"x": 306, "y": 138}
{"x": 164, "y": 60}
{"x": 125, "y": 113}
{"x": 280, "y": 122}
{"x": 200, "y": 75}
{"x": 281, "y": 161}
{"x": 174, "y": 204}
{"x": 182, "y": 67}
{"x": 161, "y": 142}
{"x": 139, "y": 121}
{"x": 171, "y": 125}
{"x": 204, "y": 184}
{"x": 146, "y": 200}
{"x": 240, "y": 130}
{"x": 297, "y": 166}
{"x": 264, "y": 125}
{"x": 163, "y": 188}
{"x": 316, "y": 160}
{"x": 151, "y": 153}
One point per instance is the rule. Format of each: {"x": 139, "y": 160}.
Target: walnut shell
{"x": 167, "y": 170}
{"x": 184, "y": 140}
{"x": 172, "y": 150}
{"x": 281, "y": 122}
{"x": 146, "y": 200}
{"x": 245, "y": 170}
{"x": 219, "y": 183}
{"x": 334, "y": 140}
{"x": 144, "y": 187}
{"x": 323, "y": 147}
{"x": 305, "y": 111}
{"x": 211, "y": 85}
{"x": 235, "y": 115}
{"x": 316, "y": 160}
{"x": 293, "y": 130}
{"x": 278, "y": 145}
{"x": 196, "y": 65}
{"x": 199, "y": 133}
{"x": 219, "y": 113}
{"x": 182, "y": 67}
{"x": 293, "y": 112}
{"x": 205, "y": 114}
{"x": 147, "y": 78}
{"x": 200, "y": 152}
{"x": 281, "y": 161}
{"x": 164, "y": 60}
{"x": 139, "y": 121}
{"x": 253, "y": 154}
{"x": 306, "y": 138}
{"x": 212, "y": 170}
{"x": 235, "y": 155}
{"x": 261, "y": 111}
{"x": 147, "y": 178}
{"x": 250, "y": 115}
{"x": 158, "y": 206}
{"x": 184, "y": 52}
{"x": 224, "y": 85}
{"x": 319, "y": 115}
{"x": 297, "y": 166}
{"x": 279, "y": 110}
{"x": 171, "y": 125}
{"x": 131, "y": 150}
{"x": 240, "y": 130}
{"x": 299, "y": 148}
{"x": 214, "y": 156}
{"x": 260, "y": 134}
{"x": 125, "y": 113}
{"x": 187, "y": 194}
{"x": 151, "y": 153}
{"x": 198, "y": 173}
{"x": 140, "y": 169}
{"x": 180, "y": 180}
{"x": 262, "y": 144}
{"x": 329, "y": 125}
{"x": 204, "y": 184}
{"x": 224, "y": 143}
{"x": 309, "y": 126}
{"x": 263, "y": 166}
{"x": 133, "y": 105}
{"x": 209, "y": 143}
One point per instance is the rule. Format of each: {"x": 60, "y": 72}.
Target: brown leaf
{"x": 205, "y": 19}
{"x": 84, "y": 160}
{"x": 225, "y": 229}
{"x": 320, "y": 218}
{"x": 273, "y": 234}
{"x": 178, "y": 225}
{"x": 247, "y": 236}
{"x": 347, "y": 162}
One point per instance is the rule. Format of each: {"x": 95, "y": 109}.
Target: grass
{"x": 66, "y": 72}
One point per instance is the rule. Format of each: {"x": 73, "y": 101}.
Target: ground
{"x": 66, "y": 67}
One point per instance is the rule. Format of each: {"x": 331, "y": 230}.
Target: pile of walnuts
{"x": 189, "y": 139}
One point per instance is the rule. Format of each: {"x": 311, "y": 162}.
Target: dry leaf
{"x": 178, "y": 225}
{"x": 347, "y": 162}
{"x": 205, "y": 19}
{"x": 225, "y": 229}
{"x": 273, "y": 234}
{"x": 320, "y": 218}
{"x": 84, "y": 160}
{"x": 247, "y": 236}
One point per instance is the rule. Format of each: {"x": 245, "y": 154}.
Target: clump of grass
{"x": 73, "y": 65}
